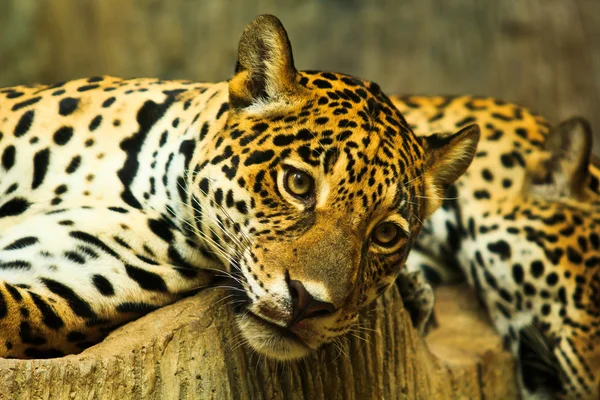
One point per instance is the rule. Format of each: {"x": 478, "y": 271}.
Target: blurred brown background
{"x": 544, "y": 54}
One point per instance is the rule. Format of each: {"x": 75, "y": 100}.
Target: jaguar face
{"x": 321, "y": 187}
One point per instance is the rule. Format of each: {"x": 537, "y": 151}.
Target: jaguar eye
{"x": 386, "y": 234}
{"x": 299, "y": 183}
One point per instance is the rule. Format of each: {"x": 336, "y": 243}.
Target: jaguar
{"x": 119, "y": 196}
{"x": 522, "y": 225}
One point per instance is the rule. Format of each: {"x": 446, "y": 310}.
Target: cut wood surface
{"x": 191, "y": 350}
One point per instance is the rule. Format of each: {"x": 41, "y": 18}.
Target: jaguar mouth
{"x": 264, "y": 336}
{"x": 270, "y": 339}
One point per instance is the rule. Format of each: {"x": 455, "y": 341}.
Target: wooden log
{"x": 192, "y": 350}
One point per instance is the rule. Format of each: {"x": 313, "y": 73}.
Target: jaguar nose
{"x": 304, "y": 305}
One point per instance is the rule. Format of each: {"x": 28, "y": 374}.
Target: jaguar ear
{"x": 447, "y": 157}
{"x": 564, "y": 170}
{"x": 265, "y": 76}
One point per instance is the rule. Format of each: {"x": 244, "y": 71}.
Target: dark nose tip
{"x": 304, "y": 305}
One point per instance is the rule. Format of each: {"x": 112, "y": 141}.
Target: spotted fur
{"x": 523, "y": 226}
{"x": 120, "y": 196}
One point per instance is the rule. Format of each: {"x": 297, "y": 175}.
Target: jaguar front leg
{"x": 418, "y": 298}
{"x": 89, "y": 270}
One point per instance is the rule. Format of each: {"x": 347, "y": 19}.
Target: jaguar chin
{"x": 270, "y": 339}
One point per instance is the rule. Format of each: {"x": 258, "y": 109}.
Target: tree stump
{"x": 192, "y": 350}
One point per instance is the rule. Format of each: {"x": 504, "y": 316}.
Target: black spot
{"x": 94, "y": 241}
{"x": 122, "y": 242}
{"x": 28, "y": 336}
{"x": 12, "y": 188}
{"x": 85, "y": 88}
{"x": 219, "y": 197}
{"x": 465, "y": 121}
{"x": 574, "y": 256}
{"x": 40, "y": 167}
{"x": 95, "y": 123}
{"x": 103, "y": 285}
{"x": 546, "y": 309}
{"x": 3, "y": 307}
{"x": 119, "y": 210}
{"x": 146, "y": 279}
{"x": 496, "y": 135}
{"x": 8, "y": 157}
{"x": 481, "y": 194}
{"x": 14, "y": 94}
{"x": 187, "y": 148}
{"x": 161, "y": 229}
{"x": 49, "y": 317}
{"x": 26, "y": 103}
{"x": 16, "y": 264}
{"x": 501, "y": 247}
{"x": 503, "y": 310}
{"x": 204, "y": 185}
{"x": 454, "y": 240}
{"x": 518, "y": 273}
{"x": 259, "y": 157}
{"x": 108, "y": 102}
{"x": 552, "y": 279}
{"x": 260, "y": 127}
{"x": 79, "y": 306}
{"x": 490, "y": 279}
{"x": 73, "y": 165}
{"x": 24, "y": 123}
{"x": 63, "y": 135}
{"x": 60, "y": 189}
{"x": 147, "y": 116}
{"x": 521, "y": 132}
{"x": 22, "y": 243}
{"x": 592, "y": 262}
{"x": 283, "y": 140}
{"x": 501, "y": 117}
{"x": 529, "y": 289}
{"x": 487, "y": 175}
{"x": 163, "y": 138}
{"x": 224, "y": 107}
{"x": 67, "y": 106}
{"x": 505, "y": 294}
{"x": 595, "y": 240}
{"x": 15, "y": 206}
{"x": 74, "y": 257}
{"x": 537, "y": 269}
{"x": 507, "y": 160}
{"x": 14, "y": 292}
{"x": 322, "y": 84}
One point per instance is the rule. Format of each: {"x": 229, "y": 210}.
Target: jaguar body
{"x": 523, "y": 226}
{"x": 307, "y": 189}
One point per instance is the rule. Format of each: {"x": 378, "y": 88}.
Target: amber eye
{"x": 299, "y": 183}
{"x": 386, "y": 234}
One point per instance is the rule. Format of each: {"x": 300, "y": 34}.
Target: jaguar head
{"x": 317, "y": 189}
